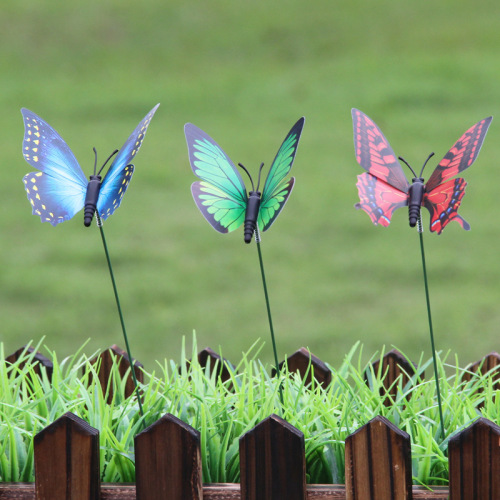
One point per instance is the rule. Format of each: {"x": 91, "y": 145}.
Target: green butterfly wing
{"x": 276, "y": 190}
{"x": 220, "y": 195}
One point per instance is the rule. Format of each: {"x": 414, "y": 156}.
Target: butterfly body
{"x": 91, "y": 197}
{"x": 251, "y": 215}
{"x": 221, "y": 195}
{"x": 59, "y": 189}
{"x": 415, "y": 197}
{"x": 384, "y": 187}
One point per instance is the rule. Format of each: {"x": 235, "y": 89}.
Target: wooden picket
{"x": 378, "y": 462}
{"x": 272, "y": 462}
{"x": 490, "y": 363}
{"x": 38, "y": 360}
{"x": 168, "y": 461}
{"x": 105, "y": 362}
{"x": 69, "y": 449}
{"x": 308, "y": 366}
{"x": 474, "y": 462}
{"x": 395, "y": 371}
{"x": 208, "y": 357}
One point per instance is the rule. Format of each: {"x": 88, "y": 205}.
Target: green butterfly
{"x": 221, "y": 194}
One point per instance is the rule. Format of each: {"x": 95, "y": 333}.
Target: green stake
{"x": 273, "y": 339}
{"x": 431, "y": 331}
{"x": 134, "y": 378}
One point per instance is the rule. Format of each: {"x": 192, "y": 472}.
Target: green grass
{"x": 223, "y": 412}
{"x": 245, "y": 72}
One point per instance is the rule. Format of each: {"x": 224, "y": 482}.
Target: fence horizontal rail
{"x": 227, "y": 491}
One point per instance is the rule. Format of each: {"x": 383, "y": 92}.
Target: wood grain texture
{"x": 378, "y": 462}
{"x": 395, "y": 371}
{"x": 168, "y": 461}
{"x": 67, "y": 460}
{"x": 38, "y": 361}
{"x": 272, "y": 462}
{"x": 104, "y": 362}
{"x": 474, "y": 462}
{"x": 309, "y": 366}
{"x": 208, "y": 356}
{"x": 490, "y": 363}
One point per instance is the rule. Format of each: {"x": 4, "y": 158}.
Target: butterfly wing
{"x": 374, "y": 153}
{"x": 385, "y": 187}
{"x": 443, "y": 203}
{"x": 223, "y": 212}
{"x": 276, "y": 191}
{"x": 111, "y": 193}
{"x": 120, "y": 172}
{"x": 443, "y": 199}
{"x": 461, "y": 155}
{"x": 57, "y": 192}
{"x": 379, "y": 199}
{"x": 220, "y": 195}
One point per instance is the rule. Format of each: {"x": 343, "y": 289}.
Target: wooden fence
{"x": 272, "y": 457}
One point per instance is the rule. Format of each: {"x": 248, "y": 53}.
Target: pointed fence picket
{"x": 378, "y": 462}
{"x": 394, "y": 370}
{"x": 474, "y": 462}
{"x": 308, "y": 366}
{"x": 113, "y": 357}
{"x": 69, "y": 449}
{"x": 168, "y": 461}
{"x": 38, "y": 360}
{"x": 272, "y": 461}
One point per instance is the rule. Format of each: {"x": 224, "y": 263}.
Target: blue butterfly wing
{"x": 112, "y": 192}
{"x": 52, "y": 200}
{"x": 221, "y": 195}
{"x": 120, "y": 172}
{"x": 57, "y": 192}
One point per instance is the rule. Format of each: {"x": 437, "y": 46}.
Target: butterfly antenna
{"x": 106, "y": 162}
{"x": 408, "y": 165}
{"x": 95, "y": 161}
{"x": 425, "y": 163}
{"x": 248, "y": 173}
{"x": 260, "y": 171}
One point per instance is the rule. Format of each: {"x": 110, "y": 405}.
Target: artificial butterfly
{"x": 60, "y": 189}
{"x": 221, "y": 194}
{"x": 385, "y": 187}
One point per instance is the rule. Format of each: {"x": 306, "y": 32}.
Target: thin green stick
{"x": 273, "y": 339}
{"x": 431, "y": 331}
{"x": 132, "y": 369}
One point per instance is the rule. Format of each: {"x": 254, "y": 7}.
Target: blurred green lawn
{"x": 245, "y": 72}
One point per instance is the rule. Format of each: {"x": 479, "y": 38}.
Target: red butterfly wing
{"x": 379, "y": 199}
{"x": 461, "y": 155}
{"x": 443, "y": 203}
{"x": 374, "y": 153}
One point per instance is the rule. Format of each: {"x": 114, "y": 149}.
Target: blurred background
{"x": 245, "y": 72}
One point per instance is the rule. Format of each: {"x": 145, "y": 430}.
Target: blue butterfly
{"x": 60, "y": 189}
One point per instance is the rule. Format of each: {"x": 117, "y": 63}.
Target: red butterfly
{"x": 385, "y": 187}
